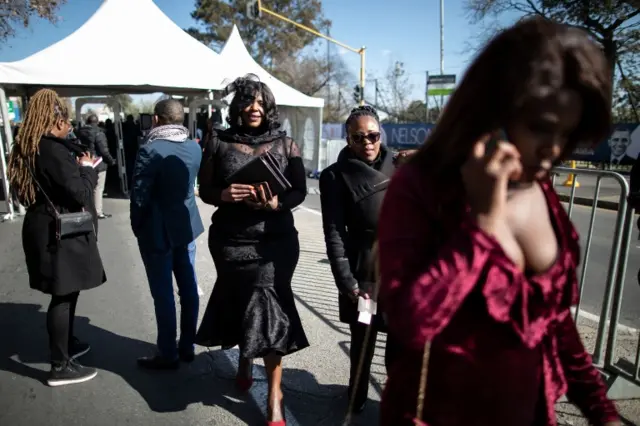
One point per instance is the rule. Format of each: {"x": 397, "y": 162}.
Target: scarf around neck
{"x": 169, "y": 132}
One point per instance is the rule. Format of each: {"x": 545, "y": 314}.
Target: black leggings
{"x": 60, "y": 316}
{"x": 358, "y": 332}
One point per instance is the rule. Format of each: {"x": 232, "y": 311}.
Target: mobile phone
{"x": 496, "y": 137}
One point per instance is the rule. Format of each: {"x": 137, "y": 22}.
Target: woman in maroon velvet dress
{"x": 477, "y": 255}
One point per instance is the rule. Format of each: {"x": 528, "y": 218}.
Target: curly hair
{"x": 361, "y": 111}
{"x": 45, "y": 108}
{"x": 245, "y": 90}
{"x": 535, "y": 55}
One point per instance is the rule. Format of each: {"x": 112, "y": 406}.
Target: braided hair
{"x": 45, "y": 108}
{"x": 361, "y": 111}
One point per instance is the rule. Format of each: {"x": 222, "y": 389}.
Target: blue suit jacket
{"x": 164, "y": 214}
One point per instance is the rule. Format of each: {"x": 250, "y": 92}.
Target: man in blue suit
{"x": 166, "y": 221}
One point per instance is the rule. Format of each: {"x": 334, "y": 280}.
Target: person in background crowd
{"x": 351, "y": 193}
{"x": 44, "y": 163}
{"x": 95, "y": 140}
{"x": 254, "y": 243}
{"x": 16, "y": 130}
{"x": 166, "y": 223}
{"x": 112, "y": 138}
{"x": 130, "y": 133}
{"x": 208, "y": 133}
{"x": 478, "y": 257}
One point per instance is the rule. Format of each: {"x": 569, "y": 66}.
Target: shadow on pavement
{"x": 24, "y": 338}
{"x": 329, "y": 402}
{"x": 328, "y": 313}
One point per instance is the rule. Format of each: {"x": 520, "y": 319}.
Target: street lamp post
{"x": 255, "y": 9}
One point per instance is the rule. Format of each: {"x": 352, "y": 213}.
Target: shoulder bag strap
{"x": 422, "y": 389}
{"x": 33, "y": 176}
{"x": 424, "y": 370}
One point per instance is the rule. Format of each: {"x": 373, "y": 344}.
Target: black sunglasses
{"x": 360, "y": 139}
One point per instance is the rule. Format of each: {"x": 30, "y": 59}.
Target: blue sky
{"x": 403, "y": 30}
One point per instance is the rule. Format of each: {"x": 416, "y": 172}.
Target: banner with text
{"x": 622, "y": 146}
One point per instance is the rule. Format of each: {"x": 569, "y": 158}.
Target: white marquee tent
{"x": 150, "y": 54}
{"x": 300, "y": 115}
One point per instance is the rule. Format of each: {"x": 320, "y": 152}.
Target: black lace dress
{"x": 255, "y": 251}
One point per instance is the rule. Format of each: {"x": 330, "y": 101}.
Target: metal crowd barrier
{"x": 623, "y": 384}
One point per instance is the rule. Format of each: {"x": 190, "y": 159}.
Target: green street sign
{"x": 440, "y": 92}
{"x": 10, "y": 106}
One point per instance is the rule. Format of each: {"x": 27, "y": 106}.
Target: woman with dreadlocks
{"x": 351, "y": 193}
{"x": 47, "y": 172}
{"x": 254, "y": 242}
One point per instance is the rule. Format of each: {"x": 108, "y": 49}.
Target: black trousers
{"x": 60, "y": 317}
{"x": 358, "y": 346}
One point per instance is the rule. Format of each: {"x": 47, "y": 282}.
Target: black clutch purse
{"x": 68, "y": 224}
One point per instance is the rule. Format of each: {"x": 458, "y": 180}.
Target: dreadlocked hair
{"x": 45, "y": 107}
{"x": 361, "y": 111}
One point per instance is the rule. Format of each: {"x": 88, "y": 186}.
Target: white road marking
{"x": 308, "y": 210}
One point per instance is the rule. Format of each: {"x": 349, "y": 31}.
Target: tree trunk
{"x": 610, "y": 49}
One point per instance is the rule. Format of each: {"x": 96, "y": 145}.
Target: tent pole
{"x": 3, "y": 164}
{"x": 320, "y": 115}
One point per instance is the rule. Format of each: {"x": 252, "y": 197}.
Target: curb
{"x": 586, "y": 201}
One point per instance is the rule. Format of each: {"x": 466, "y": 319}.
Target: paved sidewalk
{"x": 118, "y": 320}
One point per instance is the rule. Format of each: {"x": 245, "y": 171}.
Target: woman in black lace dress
{"x": 254, "y": 245}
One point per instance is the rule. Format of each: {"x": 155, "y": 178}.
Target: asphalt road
{"x": 117, "y": 319}
{"x": 600, "y": 252}
{"x": 610, "y": 188}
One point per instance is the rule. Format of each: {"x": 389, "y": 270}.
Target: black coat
{"x": 95, "y": 141}
{"x": 74, "y": 263}
{"x": 351, "y": 193}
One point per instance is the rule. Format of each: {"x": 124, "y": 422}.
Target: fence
{"x": 622, "y": 383}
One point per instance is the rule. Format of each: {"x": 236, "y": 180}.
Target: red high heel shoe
{"x": 279, "y": 422}
{"x": 244, "y": 376}
{"x": 243, "y": 384}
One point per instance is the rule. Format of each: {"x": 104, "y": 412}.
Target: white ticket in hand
{"x": 367, "y": 309}
{"x": 364, "y": 318}
{"x": 367, "y": 305}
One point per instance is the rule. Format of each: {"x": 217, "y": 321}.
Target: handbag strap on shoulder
{"x": 49, "y": 202}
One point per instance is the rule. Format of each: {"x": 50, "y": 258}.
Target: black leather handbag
{"x": 68, "y": 224}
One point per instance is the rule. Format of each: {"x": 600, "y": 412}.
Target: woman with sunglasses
{"x": 351, "y": 193}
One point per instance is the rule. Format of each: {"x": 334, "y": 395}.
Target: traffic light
{"x": 357, "y": 94}
{"x": 253, "y": 9}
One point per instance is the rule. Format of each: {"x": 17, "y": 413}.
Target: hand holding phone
{"x": 492, "y": 144}
{"x": 492, "y": 163}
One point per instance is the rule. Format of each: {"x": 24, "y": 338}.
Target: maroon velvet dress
{"x": 504, "y": 345}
